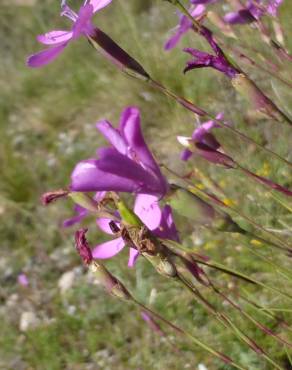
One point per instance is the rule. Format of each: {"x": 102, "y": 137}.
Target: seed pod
{"x": 110, "y": 283}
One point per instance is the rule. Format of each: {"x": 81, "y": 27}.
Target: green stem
{"x": 181, "y": 331}
{"x": 223, "y": 319}
{"x": 216, "y": 201}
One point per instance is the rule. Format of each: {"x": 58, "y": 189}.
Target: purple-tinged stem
{"x": 181, "y": 331}
{"x": 223, "y": 319}
{"x": 215, "y": 200}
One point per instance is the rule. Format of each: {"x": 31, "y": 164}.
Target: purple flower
{"x": 202, "y": 135}
{"x": 253, "y": 11}
{"x": 57, "y": 40}
{"x": 147, "y": 208}
{"x": 272, "y": 7}
{"x": 184, "y": 25}
{"x": 126, "y": 166}
{"x": 203, "y": 59}
{"x": 203, "y": 2}
{"x": 22, "y": 279}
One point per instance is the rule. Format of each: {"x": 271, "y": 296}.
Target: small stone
{"x": 28, "y": 320}
{"x": 66, "y": 281}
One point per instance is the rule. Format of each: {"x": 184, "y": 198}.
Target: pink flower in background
{"x": 22, "y": 279}
{"x": 160, "y": 222}
{"x": 57, "y": 40}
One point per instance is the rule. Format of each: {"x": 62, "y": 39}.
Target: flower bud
{"x": 112, "y": 285}
{"x": 117, "y": 55}
{"x": 258, "y": 100}
{"x": 162, "y": 264}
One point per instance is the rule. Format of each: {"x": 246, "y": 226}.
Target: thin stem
{"x": 213, "y": 199}
{"x": 181, "y": 331}
{"x": 248, "y": 316}
{"x": 223, "y": 319}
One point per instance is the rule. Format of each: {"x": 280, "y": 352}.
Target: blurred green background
{"x": 63, "y": 319}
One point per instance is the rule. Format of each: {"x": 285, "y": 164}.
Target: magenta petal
{"x": 167, "y": 228}
{"x": 148, "y": 210}
{"x": 55, "y": 37}
{"x": 130, "y": 126}
{"x": 173, "y": 40}
{"x": 133, "y": 256}
{"x": 243, "y": 16}
{"x": 185, "y": 155}
{"x": 117, "y": 164}
{"x": 113, "y": 136}
{"x": 82, "y": 25}
{"x": 108, "y": 249}
{"x": 99, "y": 4}
{"x": 46, "y": 56}
{"x": 86, "y": 176}
{"x": 103, "y": 224}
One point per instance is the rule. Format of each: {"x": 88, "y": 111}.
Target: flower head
{"x": 57, "y": 40}
{"x": 160, "y": 222}
{"x": 126, "y": 166}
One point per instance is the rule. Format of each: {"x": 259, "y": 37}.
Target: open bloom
{"x": 126, "y": 166}
{"x": 57, "y": 40}
{"x": 203, "y": 135}
{"x": 160, "y": 222}
{"x": 253, "y": 11}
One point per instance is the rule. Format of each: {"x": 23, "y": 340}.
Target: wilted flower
{"x": 82, "y": 246}
{"x": 160, "y": 222}
{"x": 57, "y": 40}
{"x": 126, "y": 166}
{"x": 203, "y": 59}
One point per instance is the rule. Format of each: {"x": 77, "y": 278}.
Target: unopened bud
{"x": 162, "y": 264}
{"x": 258, "y": 100}
{"x": 51, "y": 196}
{"x": 112, "y": 285}
{"x": 117, "y": 55}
